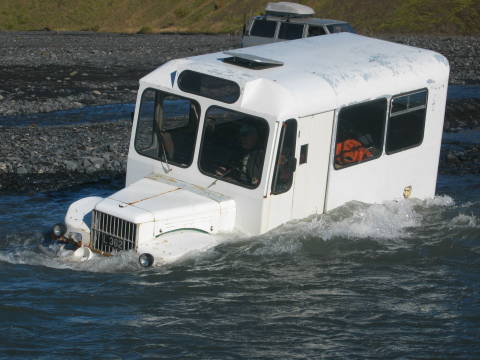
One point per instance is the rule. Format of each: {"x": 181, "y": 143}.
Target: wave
{"x": 387, "y": 229}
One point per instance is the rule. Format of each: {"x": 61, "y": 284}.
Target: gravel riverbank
{"x": 48, "y": 71}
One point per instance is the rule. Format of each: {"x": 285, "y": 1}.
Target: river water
{"x": 398, "y": 280}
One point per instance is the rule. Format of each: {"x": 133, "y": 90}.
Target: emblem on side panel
{"x": 407, "y": 191}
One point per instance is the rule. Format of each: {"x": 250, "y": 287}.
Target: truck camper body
{"x": 247, "y": 140}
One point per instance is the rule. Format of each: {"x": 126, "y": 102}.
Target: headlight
{"x": 145, "y": 260}
{"x": 59, "y": 230}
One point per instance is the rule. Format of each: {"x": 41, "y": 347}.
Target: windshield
{"x": 233, "y": 146}
{"x": 167, "y": 127}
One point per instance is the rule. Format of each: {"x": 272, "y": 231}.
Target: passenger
{"x": 351, "y": 151}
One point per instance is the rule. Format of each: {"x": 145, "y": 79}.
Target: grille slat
{"x": 111, "y": 234}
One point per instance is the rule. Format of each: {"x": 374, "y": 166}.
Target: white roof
{"x": 318, "y": 74}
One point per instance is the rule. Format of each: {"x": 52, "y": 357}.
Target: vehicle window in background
{"x": 233, "y": 146}
{"x": 338, "y": 28}
{"x": 264, "y": 28}
{"x": 285, "y": 163}
{"x": 315, "y": 30}
{"x": 167, "y": 127}
{"x": 360, "y": 132}
{"x": 290, "y": 31}
{"x": 406, "y": 124}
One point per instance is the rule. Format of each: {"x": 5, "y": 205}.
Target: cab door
{"x": 313, "y": 154}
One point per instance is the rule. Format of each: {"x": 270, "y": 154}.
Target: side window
{"x": 316, "y": 30}
{"x": 167, "y": 127}
{"x": 360, "y": 131}
{"x": 263, "y": 28}
{"x": 285, "y": 163}
{"x": 338, "y": 28}
{"x": 406, "y": 123}
{"x": 290, "y": 31}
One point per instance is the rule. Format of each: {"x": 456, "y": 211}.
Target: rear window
{"x": 289, "y": 31}
{"x": 263, "y": 28}
{"x": 209, "y": 86}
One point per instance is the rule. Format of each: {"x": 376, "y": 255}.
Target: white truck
{"x": 247, "y": 140}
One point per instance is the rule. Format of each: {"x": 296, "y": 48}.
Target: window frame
{"x": 220, "y": 177}
{"x": 170, "y": 162}
{"x": 382, "y": 137}
{"x": 406, "y": 112}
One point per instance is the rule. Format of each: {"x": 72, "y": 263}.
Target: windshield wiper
{"x": 165, "y": 159}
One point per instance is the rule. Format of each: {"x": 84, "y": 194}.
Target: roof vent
{"x": 253, "y": 62}
{"x": 289, "y": 9}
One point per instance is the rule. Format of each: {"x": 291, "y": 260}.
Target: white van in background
{"x": 288, "y": 21}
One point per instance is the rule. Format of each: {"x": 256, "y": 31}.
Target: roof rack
{"x": 250, "y": 61}
{"x": 288, "y": 9}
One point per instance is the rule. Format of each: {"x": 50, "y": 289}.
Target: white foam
{"x": 57, "y": 257}
{"x": 441, "y": 200}
{"x": 465, "y": 220}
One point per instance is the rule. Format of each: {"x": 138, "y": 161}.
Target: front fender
{"x": 74, "y": 219}
{"x": 174, "y": 245}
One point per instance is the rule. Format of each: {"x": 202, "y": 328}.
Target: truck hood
{"x": 172, "y": 205}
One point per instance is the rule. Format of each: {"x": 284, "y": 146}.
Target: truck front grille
{"x": 111, "y": 234}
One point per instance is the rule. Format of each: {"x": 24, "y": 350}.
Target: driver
{"x": 247, "y": 167}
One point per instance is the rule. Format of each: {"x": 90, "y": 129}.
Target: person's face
{"x": 248, "y": 141}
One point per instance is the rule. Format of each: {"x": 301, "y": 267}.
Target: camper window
{"x": 360, "y": 131}
{"x": 263, "y": 28}
{"x": 233, "y": 146}
{"x": 167, "y": 127}
{"x": 406, "y": 124}
{"x": 290, "y": 31}
{"x": 286, "y": 163}
{"x": 208, "y": 86}
{"x": 316, "y": 30}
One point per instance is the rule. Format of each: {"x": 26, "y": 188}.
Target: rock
{"x": 451, "y": 157}
{"x": 1, "y": 97}
{"x": 22, "y": 171}
{"x": 96, "y": 92}
{"x": 71, "y": 165}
